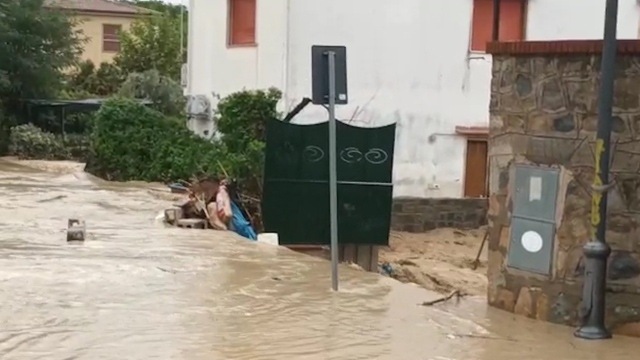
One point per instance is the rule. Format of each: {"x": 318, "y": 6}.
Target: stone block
{"x": 542, "y": 307}
{"x": 503, "y": 299}
{"x": 524, "y": 304}
{"x": 623, "y": 266}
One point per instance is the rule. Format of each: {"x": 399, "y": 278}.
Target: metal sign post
{"x": 333, "y": 176}
{"x": 329, "y": 78}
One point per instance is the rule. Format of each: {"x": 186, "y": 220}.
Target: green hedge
{"x": 78, "y": 146}
{"x": 130, "y": 141}
{"x": 30, "y": 142}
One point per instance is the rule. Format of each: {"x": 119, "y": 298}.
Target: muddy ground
{"x": 440, "y": 260}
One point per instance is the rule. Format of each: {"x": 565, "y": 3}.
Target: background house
{"x": 100, "y": 21}
{"x": 420, "y": 63}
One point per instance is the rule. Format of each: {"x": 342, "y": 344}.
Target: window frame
{"x": 111, "y": 38}
{"x": 233, "y": 43}
{"x": 523, "y": 23}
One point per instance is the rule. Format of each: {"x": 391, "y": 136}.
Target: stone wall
{"x": 420, "y": 215}
{"x": 544, "y": 114}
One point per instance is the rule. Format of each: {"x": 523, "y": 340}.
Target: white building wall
{"x": 408, "y": 62}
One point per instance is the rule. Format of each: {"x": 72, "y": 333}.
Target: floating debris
{"x": 76, "y": 230}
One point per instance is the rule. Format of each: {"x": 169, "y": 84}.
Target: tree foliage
{"x": 159, "y": 6}
{"x": 36, "y": 44}
{"x": 152, "y": 43}
{"x": 241, "y": 119}
{"x": 104, "y": 80}
{"x": 165, "y": 94}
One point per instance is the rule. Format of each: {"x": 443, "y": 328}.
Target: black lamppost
{"x": 596, "y": 251}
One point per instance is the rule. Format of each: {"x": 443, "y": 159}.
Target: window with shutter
{"x": 512, "y": 16}
{"x": 242, "y": 22}
{"x": 111, "y": 37}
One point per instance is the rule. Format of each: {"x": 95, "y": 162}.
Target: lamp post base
{"x": 592, "y": 332}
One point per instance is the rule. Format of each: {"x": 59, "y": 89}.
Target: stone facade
{"x": 544, "y": 113}
{"x": 419, "y": 215}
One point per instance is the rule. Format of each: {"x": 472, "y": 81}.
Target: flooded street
{"x": 138, "y": 290}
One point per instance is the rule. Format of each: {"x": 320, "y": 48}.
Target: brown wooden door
{"x": 475, "y": 179}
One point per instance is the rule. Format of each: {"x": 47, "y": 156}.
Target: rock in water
{"x": 76, "y": 230}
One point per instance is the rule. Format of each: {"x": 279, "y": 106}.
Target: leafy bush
{"x": 30, "y": 142}
{"x": 166, "y": 95}
{"x": 241, "y": 120}
{"x": 96, "y": 81}
{"x": 78, "y": 146}
{"x": 133, "y": 142}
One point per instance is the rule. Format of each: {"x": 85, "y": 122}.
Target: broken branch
{"x": 455, "y": 293}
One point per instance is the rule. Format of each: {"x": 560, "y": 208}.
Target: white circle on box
{"x": 531, "y": 241}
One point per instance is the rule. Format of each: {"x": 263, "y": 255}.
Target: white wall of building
{"x": 408, "y": 62}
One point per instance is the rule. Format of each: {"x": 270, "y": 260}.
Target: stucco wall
{"x": 406, "y": 63}
{"x": 91, "y": 26}
{"x": 544, "y": 114}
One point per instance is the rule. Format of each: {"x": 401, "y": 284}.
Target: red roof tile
{"x": 107, "y": 6}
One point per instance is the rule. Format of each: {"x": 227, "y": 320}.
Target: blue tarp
{"x": 240, "y": 225}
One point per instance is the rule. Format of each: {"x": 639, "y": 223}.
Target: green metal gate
{"x": 295, "y": 200}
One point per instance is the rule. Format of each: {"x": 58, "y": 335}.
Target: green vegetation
{"x": 124, "y": 140}
{"x": 165, "y": 94}
{"x": 133, "y": 142}
{"x": 39, "y": 45}
{"x": 89, "y": 81}
{"x": 152, "y": 43}
{"x": 31, "y": 142}
{"x": 36, "y": 44}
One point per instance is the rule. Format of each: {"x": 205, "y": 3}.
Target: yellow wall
{"x": 91, "y": 25}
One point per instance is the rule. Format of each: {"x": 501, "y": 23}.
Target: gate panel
{"x": 365, "y": 188}
{"x": 295, "y": 200}
{"x": 365, "y": 154}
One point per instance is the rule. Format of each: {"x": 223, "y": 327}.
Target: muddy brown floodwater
{"x": 138, "y": 290}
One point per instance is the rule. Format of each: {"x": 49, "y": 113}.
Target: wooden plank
{"x": 475, "y": 182}
{"x": 373, "y": 261}
{"x": 349, "y": 253}
{"x": 363, "y": 258}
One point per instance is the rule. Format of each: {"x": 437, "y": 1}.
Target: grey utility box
{"x": 533, "y": 219}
